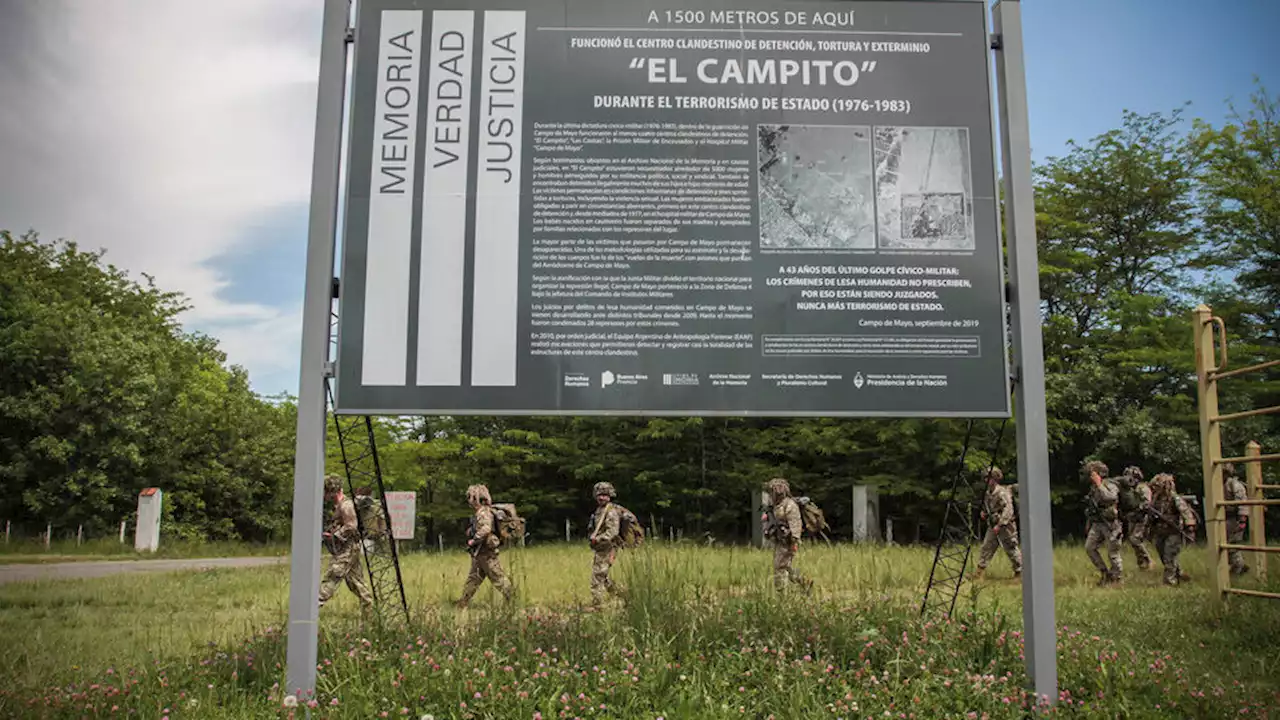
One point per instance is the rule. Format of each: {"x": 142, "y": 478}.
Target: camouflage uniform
{"x": 372, "y": 521}
{"x": 785, "y": 530}
{"x": 1237, "y": 517}
{"x": 345, "y": 546}
{"x": 484, "y": 549}
{"x": 605, "y": 524}
{"x": 1104, "y": 524}
{"x": 1168, "y": 539}
{"x": 1003, "y": 530}
{"x": 1137, "y": 522}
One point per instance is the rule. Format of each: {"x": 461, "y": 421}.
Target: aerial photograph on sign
{"x": 923, "y": 188}
{"x": 815, "y": 187}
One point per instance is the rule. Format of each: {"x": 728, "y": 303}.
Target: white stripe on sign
{"x": 444, "y": 199}
{"x": 395, "y": 128}
{"x": 497, "y": 265}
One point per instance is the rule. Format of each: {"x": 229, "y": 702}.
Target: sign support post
{"x": 308, "y": 498}
{"x": 1028, "y": 354}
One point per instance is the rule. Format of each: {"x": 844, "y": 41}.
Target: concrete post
{"x": 859, "y": 513}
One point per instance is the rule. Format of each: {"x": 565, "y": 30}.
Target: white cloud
{"x": 159, "y": 130}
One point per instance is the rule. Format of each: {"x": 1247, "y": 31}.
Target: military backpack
{"x": 507, "y": 523}
{"x": 812, "y": 519}
{"x": 630, "y": 531}
{"x": 1130, "y": 499}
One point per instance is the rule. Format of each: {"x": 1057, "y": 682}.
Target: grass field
{"x": 701, "y": 636}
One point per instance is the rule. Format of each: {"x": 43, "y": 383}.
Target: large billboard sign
{"x": 617, "y": 206}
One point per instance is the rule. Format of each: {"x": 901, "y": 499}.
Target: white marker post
{"x": 146, "y": 536}
{"x": 122, "y": 532}
{"x": 859, "y": 513}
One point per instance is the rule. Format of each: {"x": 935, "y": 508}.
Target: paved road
{"x": 70, "y": 570}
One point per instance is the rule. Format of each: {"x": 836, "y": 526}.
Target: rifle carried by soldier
{"x": 1092, "y": 511}
{"x": 472, "y": 548}
{"x": 1168, "y": 522}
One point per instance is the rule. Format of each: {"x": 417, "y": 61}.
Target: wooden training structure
{"x": 1211, "y": 366}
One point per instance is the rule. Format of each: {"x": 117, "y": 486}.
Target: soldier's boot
{"x": 1171, "y": 581}
{"x": 1017, "y": 573}
{"x": 1104, "y": 577}
{"x": 1183, "y": 576}
{"x": 977, "y": 574}
{"x": 1117, "y": 578}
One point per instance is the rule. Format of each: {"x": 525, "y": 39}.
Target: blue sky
{"x": 1088, "y": 60}
{"x": 196, "y": 170}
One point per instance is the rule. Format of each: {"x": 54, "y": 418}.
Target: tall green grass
{"x": 701, "y": 635}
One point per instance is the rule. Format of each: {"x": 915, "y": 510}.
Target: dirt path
{"x": 78, "y": 570}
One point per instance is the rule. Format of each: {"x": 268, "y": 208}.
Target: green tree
{"x": 103, "y": 394}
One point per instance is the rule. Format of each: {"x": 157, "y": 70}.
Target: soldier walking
{"x": 482, "y": 542}
{"x": 1174, "y": 521}
{"x": 342, "y": 536}
{"x": 1237, "y": 517}
{"x": 1135, "y": 498}
{"x": 1104, "y": 522}
{"x": 605, "y": 524}
{"x": 998, "y": 509}
{"x": 784, "y": 528}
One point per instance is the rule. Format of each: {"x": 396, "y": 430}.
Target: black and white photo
{"x": 815, "y": 188}
{"x": 924, "y": 194}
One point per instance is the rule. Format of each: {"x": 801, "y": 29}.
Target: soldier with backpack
{"x": 342, "y": 537}
{"x": 1103, "y": 517}
{"x": 612, "y": 527}
{"x": 998, "y": 509}
{"x": 483, "y": 540}
{"x": 1174, "y": 523}
{"x": 1135, "y": 498}
{"x": 784, "y": 525}
{"x": 1237, "y": 517}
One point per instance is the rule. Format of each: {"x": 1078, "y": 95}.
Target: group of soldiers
{"x": 1119, "y": 510}
{"x": 783, "y": 525}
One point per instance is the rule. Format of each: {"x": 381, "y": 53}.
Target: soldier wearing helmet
{"x": 342, "y": 536}
{"x": 1103, "y": 513}
{"x": 998, "y": 509}
{"x": 482, "y": 542}
{"x": 1135, "y": 498}
{"x": 1174, "y": 521}
{"x": 605, "y": 525}
{"x": 783, "y": 526}
{"x": 1237, "y": 517}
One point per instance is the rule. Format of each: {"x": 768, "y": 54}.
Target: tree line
{"x": 103, "y": 393}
